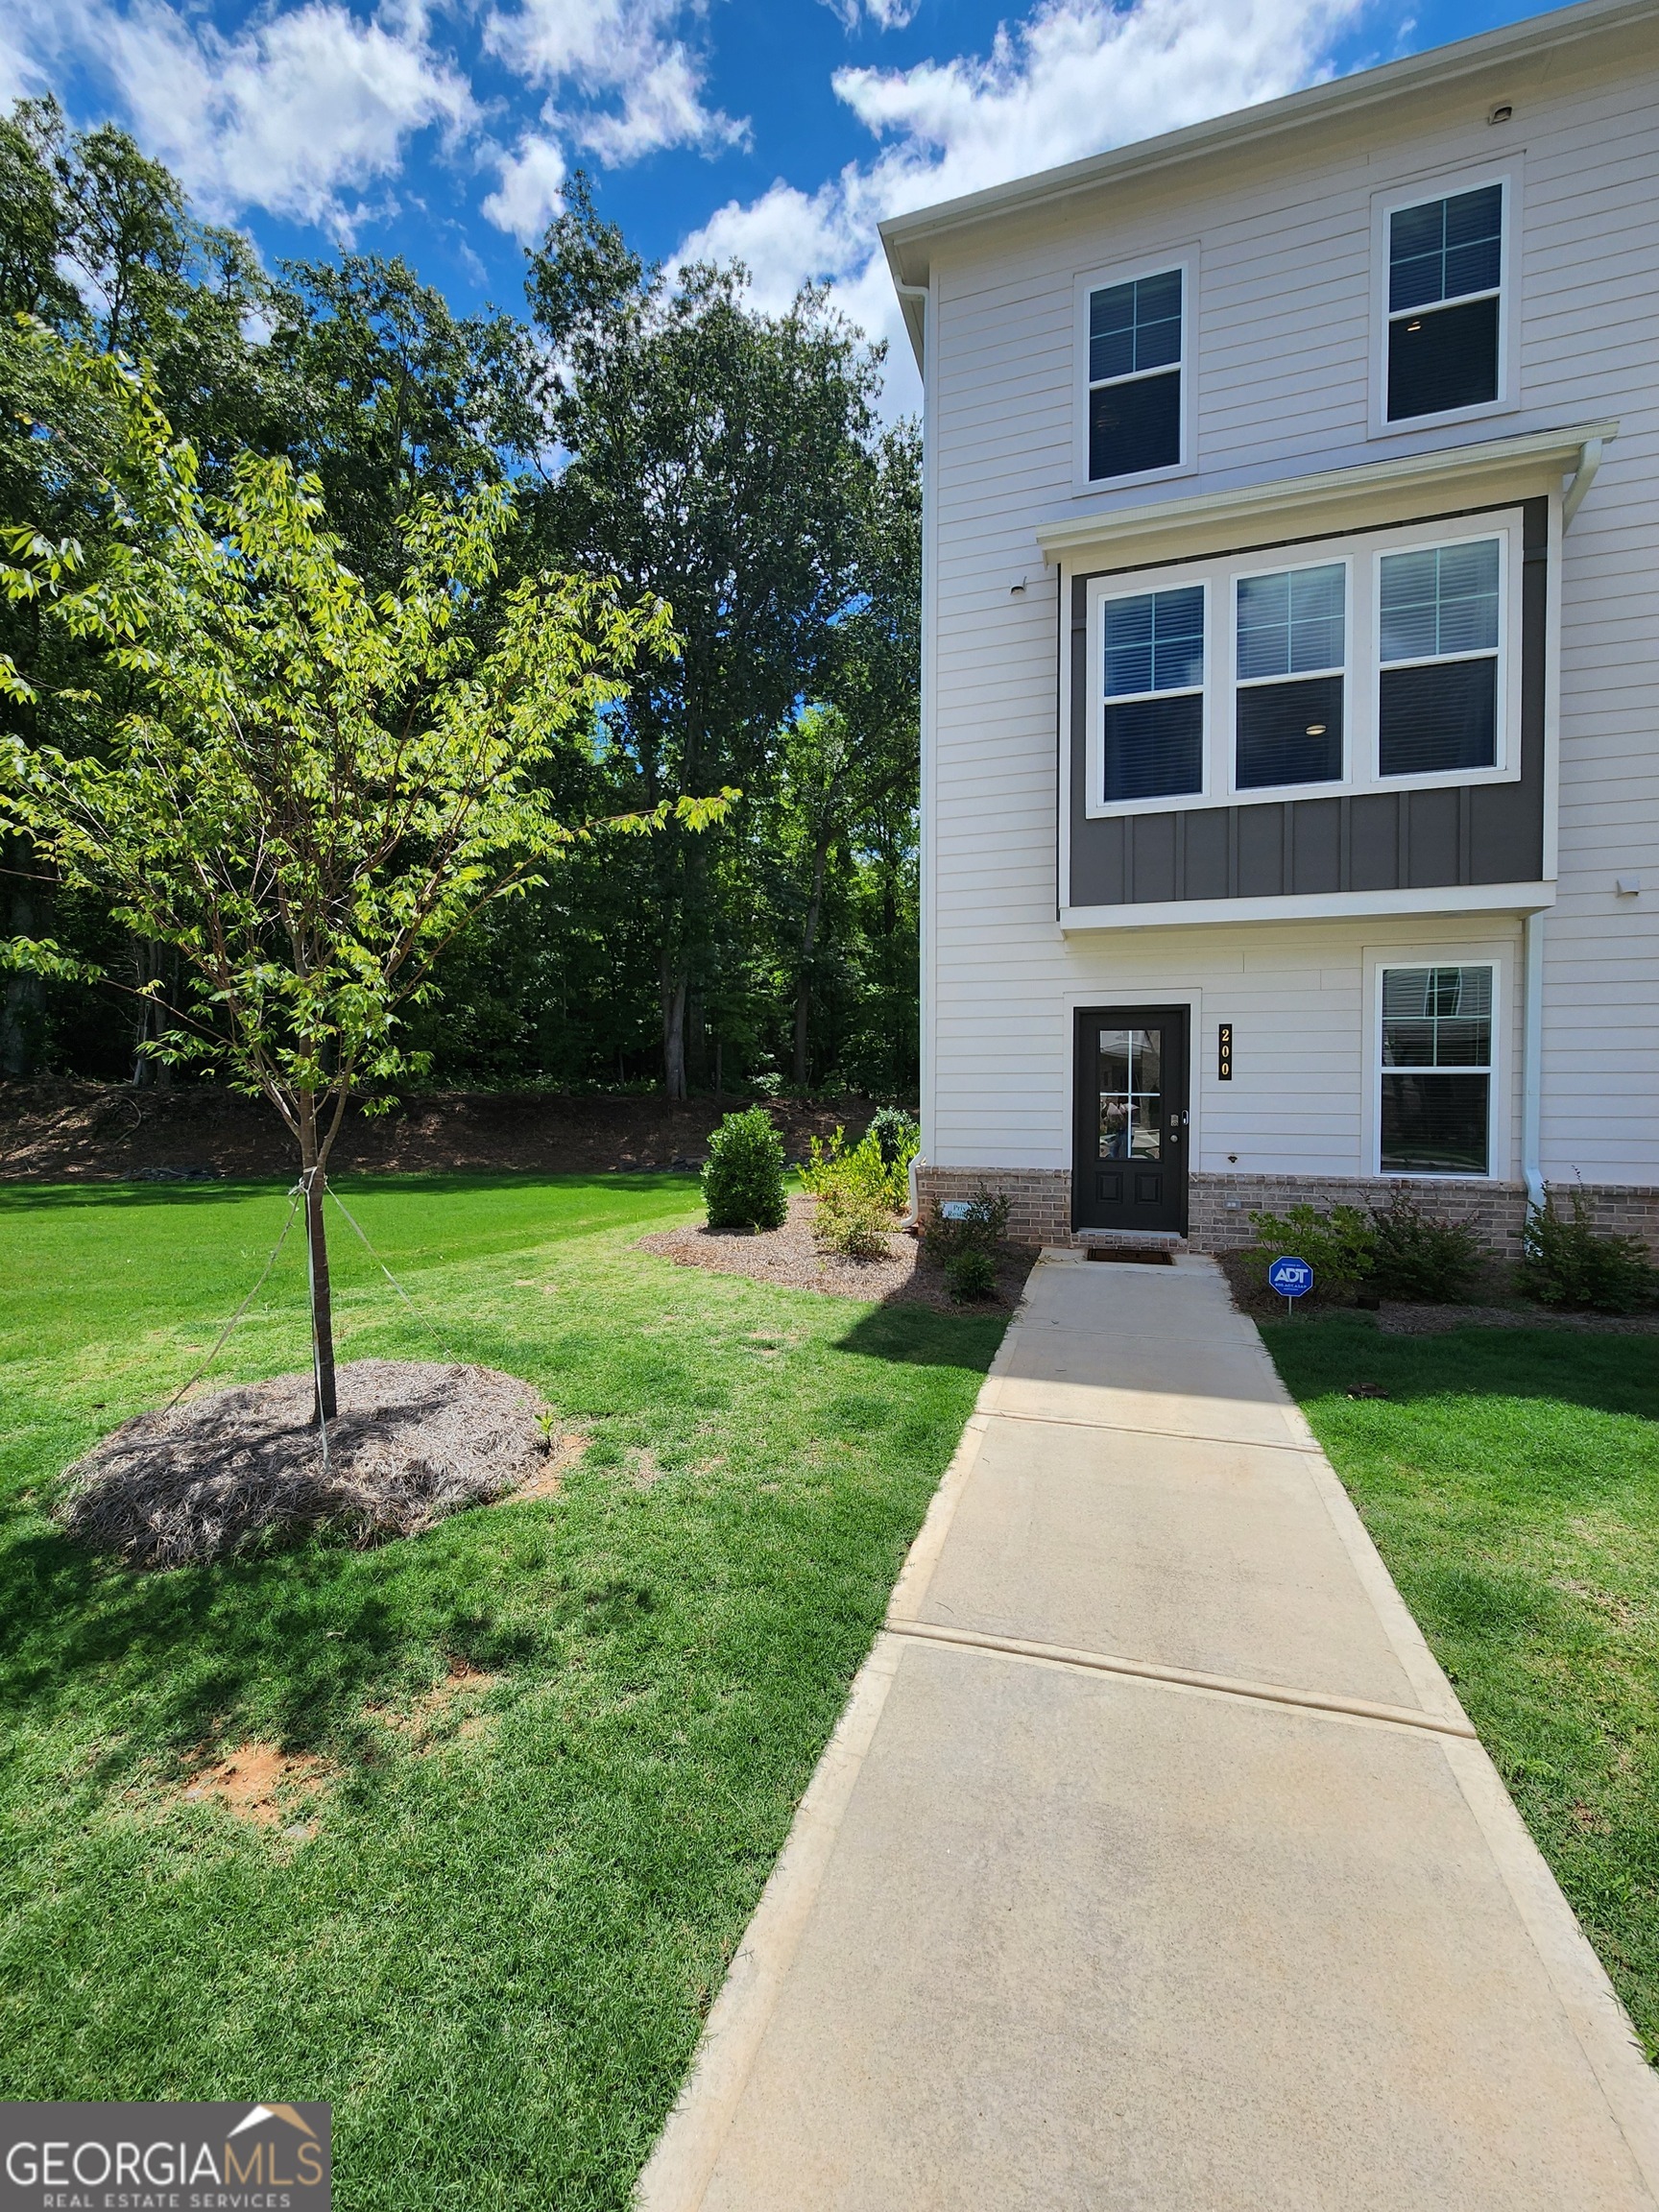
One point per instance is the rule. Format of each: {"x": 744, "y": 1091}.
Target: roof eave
{"x": 1315, "y": 102}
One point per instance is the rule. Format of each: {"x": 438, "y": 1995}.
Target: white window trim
{"x": 1244, "y": 795}
{"x": 1497, "y": 1089}
{"x": 1185, "y": 260}
{"x": 1143, "y": 588}
{"x": 1364, "y": 552}
{"x": 1504, "y": 743}
{"x": 1443, "y": 185}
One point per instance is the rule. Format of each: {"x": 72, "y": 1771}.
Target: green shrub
{"x": 1574, "y": 1264}
{"x": 1417, "y": 1255}
{"x": 981, "y": 1228}
{"x": 862, "y": 1168}
{"x": 853, "y": 1221}
{"x": 970, "y": 1273}
{"x": 894, "y": 1136}
{"x": 1339, "y": 1246}
{"x": 743, "y": 1180}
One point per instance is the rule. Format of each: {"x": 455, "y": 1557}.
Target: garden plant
{"x": 743, "y": 1180}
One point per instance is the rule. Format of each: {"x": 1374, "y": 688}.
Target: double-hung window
{"x": 1445, "y": 303}
{"x": 1135, "y": 370}
{"x": 1437, "y": 685}
{"x": 1376, "y": 661}
{"x": 1436, "y": 1109}
{"x": 1153, "y": 709}
{"x": 1291, "y": 647}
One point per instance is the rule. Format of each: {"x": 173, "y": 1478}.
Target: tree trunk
{"x": 324, "y": 1406}
{"x": 809, "y": 940}
{"x": 20, "y": 1003}
{"x": 674, "y": 988}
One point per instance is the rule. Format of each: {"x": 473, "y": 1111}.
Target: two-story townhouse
{"x": 1291, "y": 745}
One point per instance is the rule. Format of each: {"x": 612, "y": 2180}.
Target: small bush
{"x": 971, "y": 1274}
{"x": 1339, "y": 1246}
{"x": 1417, "y": 1255}
{"x": 860, "y": 1167}
{"x": 743, "y": 1182}
{"x": 1574, "y": 1264}
{"x": 894, "y": 1136}
{"x": 981, "y": 1228}
{"x": 853, "y": 1222}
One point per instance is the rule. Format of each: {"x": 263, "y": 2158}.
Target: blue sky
{"x": 779, "y": 130}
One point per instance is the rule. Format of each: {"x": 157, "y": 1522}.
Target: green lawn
{"x": 1511, "y": 1482}
{"x": 495, "y": 1954}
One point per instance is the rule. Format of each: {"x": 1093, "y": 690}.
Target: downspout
{"x": 1533, "y": 1058}
{"x": 1533, "y": 935}
{"x": 920, "y": 295}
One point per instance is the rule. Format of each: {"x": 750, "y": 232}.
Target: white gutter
{"x": 1533, "y": 1058}
{"x": 1577, "y": 446}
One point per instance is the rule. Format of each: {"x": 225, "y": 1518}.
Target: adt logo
{"x": 1291, "y": 1278}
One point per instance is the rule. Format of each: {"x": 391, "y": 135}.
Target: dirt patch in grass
{"x": 263, "y": 1784}
{"x": 412, "y": 1442}
{"x": 431, "y": 1712}
{"x": 905, "y": 1276}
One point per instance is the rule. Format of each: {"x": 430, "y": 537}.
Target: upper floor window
{"x": 1291, "y": 659}
{"x": 1154, "y": 698}
{"x": 1445, "y": 276}
{"x": 1387, "y": 659}
{"x": 1437, "y": 688}
{"x": 1136, "y": 334}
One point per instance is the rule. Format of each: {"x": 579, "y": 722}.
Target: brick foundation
{"x": 1221, "y": 1205}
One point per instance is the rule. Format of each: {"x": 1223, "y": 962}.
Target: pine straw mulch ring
{"x": 412, "y": 1442}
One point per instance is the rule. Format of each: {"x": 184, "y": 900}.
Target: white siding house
{"x": 1291, "y": 745}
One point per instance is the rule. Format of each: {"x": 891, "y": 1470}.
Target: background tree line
{"x": 659, "y": 430}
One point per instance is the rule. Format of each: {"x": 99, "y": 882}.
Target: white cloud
{"x": 288, "y": 113}
{"x": 626, "y": 50}
{"x": 1075, "y": 77}
{"x": 530, "y": 193}
{"x": 882, "y": 15}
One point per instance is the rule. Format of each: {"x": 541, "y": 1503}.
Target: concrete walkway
{"x": 1153, "y": 1863}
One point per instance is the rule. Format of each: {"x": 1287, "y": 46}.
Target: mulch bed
{"x": 1395, "y": 1318}
{"x": 905, "y": 1277}
{"x": 412, "y": 1442}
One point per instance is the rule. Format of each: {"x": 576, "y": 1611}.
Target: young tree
{"x": 314, "y": 788}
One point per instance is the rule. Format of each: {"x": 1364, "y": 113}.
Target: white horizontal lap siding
{"x": 1282, "y": 339}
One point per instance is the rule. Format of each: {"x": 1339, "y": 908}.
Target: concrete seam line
{"x": 1185, "y": 1678}
{"x": 1582, "y": 1987}
{"x": 676, "y": 2175}
{"x": 1130, "y": 1428}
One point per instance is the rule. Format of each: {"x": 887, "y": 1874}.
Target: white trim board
{"x": 1312, "y": 907}
{"x": 1458, "y": 465}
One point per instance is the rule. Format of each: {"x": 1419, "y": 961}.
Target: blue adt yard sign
{"x": 1291, "y": 1277}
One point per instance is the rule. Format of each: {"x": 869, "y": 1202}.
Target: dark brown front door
{"x": 1132, "y": 1119}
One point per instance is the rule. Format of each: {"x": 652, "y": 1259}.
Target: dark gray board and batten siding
{"x": 1370, "y": 841}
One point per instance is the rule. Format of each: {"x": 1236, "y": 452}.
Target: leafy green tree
{"x": 721, "y": 459}
{"x": 386, "y": 396}
{"x": 311, "y": 789}
{"x": 97, "y": 242}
